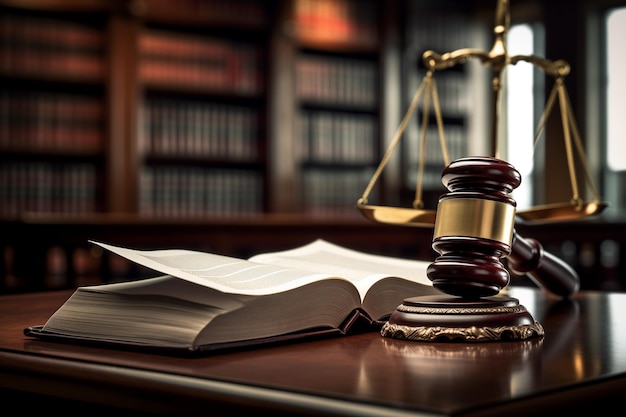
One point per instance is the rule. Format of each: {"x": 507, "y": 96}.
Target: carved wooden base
{"x": 445, "y": 318}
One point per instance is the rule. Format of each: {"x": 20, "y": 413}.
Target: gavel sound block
{"x": 474, "y": 230}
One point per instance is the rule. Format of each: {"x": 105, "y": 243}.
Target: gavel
{"x": 545, "y": 269}
{"x": 474, "y": 230}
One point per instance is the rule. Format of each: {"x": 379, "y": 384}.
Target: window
{"x": 614, "y": 161}
{"x": 523, "y": 104}
{"x": 520, "y": 121}
{"x": 616, "y": 89}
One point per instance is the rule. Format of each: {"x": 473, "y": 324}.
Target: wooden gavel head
{"x": 475, "y": 229}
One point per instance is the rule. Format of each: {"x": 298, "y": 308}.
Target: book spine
{"x": 47, "y": 187}
{"x": 183, "y": 191}
{"x": 51, "y": 47}
{"x": 181, "y": 60}
{"x": 51, "y": 122}
{"x": 333, "y": 80}
{"x": 330, "y": 192}
{"x": 202, "y": 130}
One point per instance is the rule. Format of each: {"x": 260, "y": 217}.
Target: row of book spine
{"x": 455, "y": 137}
{"x": 331, "y": 79}
{"x": 173, "y": 58}
{"x": 331, "y": 192}
{"x": 43, "y": 45}
{"x": 49, "y": 121}
{"x": 440, "y": 31}
{"x": 452, "y": 92}
{"x": 337, "y": 137}
{"x": 186, "y": 128}
{"x": 46, "y": 187}
{"x": 349, "y": 21}
{"x": 185, "y": 192}
{"x": 452, "y": 89}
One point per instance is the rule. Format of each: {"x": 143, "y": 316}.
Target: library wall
{"x": 215, "y": 112}
{"x": 337, "y": 93}
{"x": 201, "y": 139}
{"x": 198, "y": 137}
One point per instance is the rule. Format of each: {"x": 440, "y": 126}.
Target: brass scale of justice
{"x": 474, "y": 224}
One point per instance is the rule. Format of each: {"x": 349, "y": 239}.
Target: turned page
{"x": 223, "y": 273}
{"x": 362, "y": 269}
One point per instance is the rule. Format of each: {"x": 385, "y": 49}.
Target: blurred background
{"x": 245, "y": 126}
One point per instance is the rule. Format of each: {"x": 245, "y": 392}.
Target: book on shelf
{"x": 33, "y": 45}
{"x": 337, "y": 80}
{"x": 171, "y": 58}
{"x": 197, "y": 129}
{"x": 38, "y": 186}
{"x": 51, "y": 122}
{"x": 327, "y": 189}
{"x": 327, "y": 136}
{"x": 192, "y": 191}
{"x": 205, "y": 302}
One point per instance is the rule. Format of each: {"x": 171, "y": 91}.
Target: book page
{"x": 362, "y": 269}
{"x": 223, "y": 273}
{"x": 169, "y": 286}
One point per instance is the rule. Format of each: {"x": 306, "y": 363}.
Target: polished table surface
{"x": 581, "y": 362}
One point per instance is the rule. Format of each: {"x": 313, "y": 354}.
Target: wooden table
{"x": 579, "y": 366}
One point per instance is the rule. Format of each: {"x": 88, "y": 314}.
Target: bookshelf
{"x": 132, "y": 107}
{"x": 52, "y": 113}
{"x": 166, "y": 110}
{"x": 337, "y": 94}
{"x": 85, "y": 82}
{"x": 202, "y": 108}
{"x": 433, "y": 27}
{"x": 209, "y": 108}
{"x": 210, "y": 111}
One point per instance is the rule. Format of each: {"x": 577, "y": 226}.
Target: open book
{"x": 205, "y": 301}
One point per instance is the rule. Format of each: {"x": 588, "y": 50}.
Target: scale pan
{"x": 562, "y": 211}
{"x": 399, "y": 215}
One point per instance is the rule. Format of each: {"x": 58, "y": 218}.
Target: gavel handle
{"x": 543, "y": 268}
